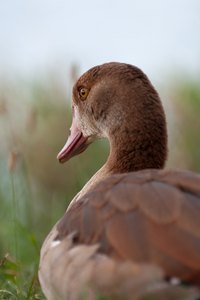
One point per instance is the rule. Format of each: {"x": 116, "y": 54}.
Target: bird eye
{"x": 83, "y": 92}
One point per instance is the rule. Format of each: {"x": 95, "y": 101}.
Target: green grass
{"x": 18, "y": 281}
{"x": 19, "y": 264}
{"x": 34, "y": 188}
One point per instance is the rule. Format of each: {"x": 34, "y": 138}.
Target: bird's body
{"x": 132, "y": 224}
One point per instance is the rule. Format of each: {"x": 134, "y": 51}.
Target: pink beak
{"x": 76, "y": 142}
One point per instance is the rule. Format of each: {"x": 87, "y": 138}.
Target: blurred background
{"x": 44, "y": 46}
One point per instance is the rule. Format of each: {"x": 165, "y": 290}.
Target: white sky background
{"x": 158, "y": 36}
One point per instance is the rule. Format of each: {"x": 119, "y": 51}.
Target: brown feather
{"x": 143, "y": 218}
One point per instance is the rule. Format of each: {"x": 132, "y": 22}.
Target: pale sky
{"x": 158, "y": 36}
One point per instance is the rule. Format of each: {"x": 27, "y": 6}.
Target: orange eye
{"x": 83, "y": 92}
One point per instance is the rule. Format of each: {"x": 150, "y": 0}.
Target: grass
{"x": 35, "y": 189}
{"x": 17, "y": 281}
{"x": 18, "y": 266}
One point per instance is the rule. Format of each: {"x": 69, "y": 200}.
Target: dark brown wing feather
{"x": 146, "y": 216}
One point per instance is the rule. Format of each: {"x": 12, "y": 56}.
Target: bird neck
{"x": 132, "y": 149}
{"x": 137, "y": 148}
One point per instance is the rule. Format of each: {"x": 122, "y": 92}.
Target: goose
{"x": 135, "y": 226}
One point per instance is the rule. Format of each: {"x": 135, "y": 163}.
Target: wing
{"x": 148, "y": 216}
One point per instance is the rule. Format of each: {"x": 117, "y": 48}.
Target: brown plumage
{"x": 137, "y": 227}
